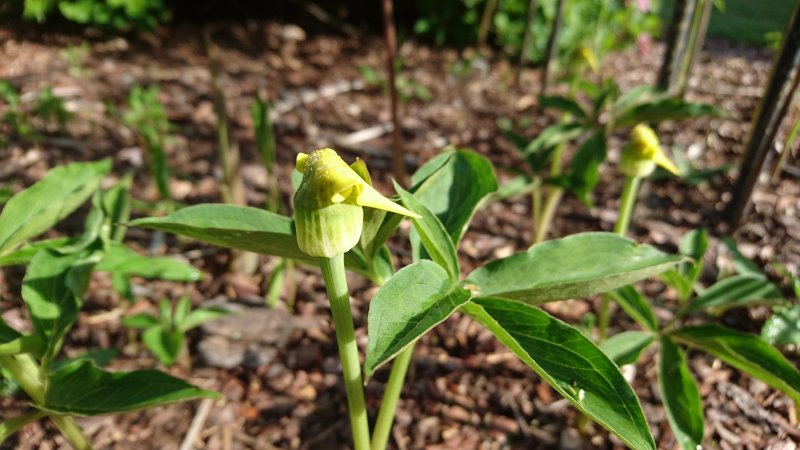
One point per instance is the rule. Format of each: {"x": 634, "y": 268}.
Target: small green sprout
{"x": 165, "y": 335}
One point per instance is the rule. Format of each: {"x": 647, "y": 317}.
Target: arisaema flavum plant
{"x": 341, "y": 223}
{"x": 57, "y": 278}
{"x": 690, "y": 323}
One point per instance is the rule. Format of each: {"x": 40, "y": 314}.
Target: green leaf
{"x": 432, "y": 233}
{"x": 741, "y": 264}
{"x": 569, "y": 362}
{"x": 46, "y": 289}
{"x": 637, "y": 306}
{"x": 117, "y": 206}
{"x": 140, "y": 321}
{"x": 24, "y": 254}
{"x": 538, "y": 151}
{"x": 166, "y": 345}
{"x": 416, "y": 299}
{"x": 584, "y": 169}
{"x": 54, "y": 197}
{"x": 665, "y": 109}
{"x": 783, "y": 327}
{"x": 573, "y": 267}
{"x": 232, "y": 226}
{"x": 564, "y": 104}
{"x": 7, "y": 334}
{"x": 680, "y": 396}
{"x": 121, "y": 259}
{"x": 200, "y": 316}
{"x": 83, "y": 389}
{"x": 746, "y": 352}
{"x": 23, "y": 344}
{"x": 734, "y": 292}
{"x": 452, "y": 185}
{"x": 625, "y": 348}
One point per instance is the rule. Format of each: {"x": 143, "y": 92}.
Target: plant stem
{"x": 383, "y": 425}
{"x": 626, "y": 203}
{"x": 546, "y": 218}
{"x": 336, "y": 284}
{"x": 67, "y": 426}
{"x": 26, "y": 373}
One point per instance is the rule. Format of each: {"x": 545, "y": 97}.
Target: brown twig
{"x": 398, "y": 153}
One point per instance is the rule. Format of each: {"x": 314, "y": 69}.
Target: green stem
{"x": 67, "y": 426}
{"x": 554, "y": 195}
{"x": 336, "y": 284}
{"x": 383, "y": 425}
{"x": 26, "y": 373}
{"x": 627, "y": 202}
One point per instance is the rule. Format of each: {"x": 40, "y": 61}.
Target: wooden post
{"x": 783, "y": 83}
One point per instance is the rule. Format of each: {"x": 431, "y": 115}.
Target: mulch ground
{"x": 464, "y": 390}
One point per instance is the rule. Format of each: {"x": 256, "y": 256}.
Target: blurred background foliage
{"x": 596, "y": 25}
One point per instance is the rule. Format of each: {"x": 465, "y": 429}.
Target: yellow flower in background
{"x": 328, "y": 204}
{"x": 588, "y": 55}
{"x": 643, "y": 153}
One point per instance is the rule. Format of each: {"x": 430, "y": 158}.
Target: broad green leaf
{"x": 452, "y": 185}
{"x": 434, "y": 237}
{"x": 637, "y": 306}
{"x": 746, "y": 352}
{"x": 166, "y": 345}
{"x": 46, "y": 289}
{"x": 625, "y": 348}
{"x": 24, "y": 254}
{"x": 83, "y": 389}
{"x": 199, "y": 316}
{"x": 665, "y": 109}
{"x": 783, "y": 327}
{"x": 416, "y": 299}
{"x": 121, "y": 259}
{"x": 563, "y": 104}
{"x": 232, "y": 226}
{"x": 39, "y": 207}
{"x": 573, "y": 267}
{"x": 569, "y": 362}
{"x": 680, "y": 396}
{"x": 242, "y": 228}
{"x": 140, "y": 321}
{"x": 734, "y": 292}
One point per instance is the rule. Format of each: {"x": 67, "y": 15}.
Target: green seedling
{"x": 165, "y": 334}
{"x": 341, "y": 223}
{"x": 56, "y": 280}
{"x": 147, "y": 117}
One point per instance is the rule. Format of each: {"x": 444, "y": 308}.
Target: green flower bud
{"x": 643, "y": 153}
{"x": 327, "y": 205}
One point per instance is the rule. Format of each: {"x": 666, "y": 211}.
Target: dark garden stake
{"x": 783, "y": 82}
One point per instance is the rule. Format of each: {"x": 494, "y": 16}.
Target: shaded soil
{"x": 465, "y": 390}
